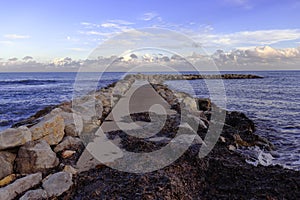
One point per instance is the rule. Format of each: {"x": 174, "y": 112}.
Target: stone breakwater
{"x": 39, "y": 156}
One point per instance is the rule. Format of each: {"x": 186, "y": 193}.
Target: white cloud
{"x": 78, "y": 49}
{"x": 246, "y": 4}
{"x": 121, "y": 22}
{"x": 149, "y": 16}
{"x": 6, "y": 42}
{"x": 248, "y": 38}
{"x": 15, "y": 36}
{"x": 263, "y": 56}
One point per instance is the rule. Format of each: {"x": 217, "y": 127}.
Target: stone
{"x": 35, "y": 195}
{"x": 51, "y": 129}
{"x": 70, "y": 169}
{"x": 7, "y": 180}
{"x": 204, "y": 104}
{"x": 67, "y": 154}
{"x": 35, "y": 156}
{"x": 58, "y": 183}
{"x": 6, "y": 162}
{"x": 190, "y": 103}
{"x": 67, "y": 143}
{"x": 73, "y": 124}
{"x": 231, "y": 148}
{"x": 20, "y": 185}
{"x": 14, "y": 137}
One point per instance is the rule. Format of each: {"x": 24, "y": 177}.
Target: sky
{"x": 51, "y": 31}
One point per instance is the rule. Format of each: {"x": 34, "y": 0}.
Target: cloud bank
{"x": 258, "y": 58}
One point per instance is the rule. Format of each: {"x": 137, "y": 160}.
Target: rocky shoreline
{"x": 39, "y": 156}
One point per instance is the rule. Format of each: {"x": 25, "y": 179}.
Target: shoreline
{"x": 223, "y": 172}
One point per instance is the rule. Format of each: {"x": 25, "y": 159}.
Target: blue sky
{"x": 53, "y": 29}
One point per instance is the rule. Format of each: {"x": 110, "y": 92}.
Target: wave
{"x": 28, "y": 82}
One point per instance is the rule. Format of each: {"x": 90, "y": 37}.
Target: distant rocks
{"x": 159, "y": 78}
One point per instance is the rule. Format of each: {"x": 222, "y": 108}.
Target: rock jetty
{"x": 40, "y": 157}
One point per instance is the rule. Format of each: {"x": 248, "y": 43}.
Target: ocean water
{"x": 272, "y": 102}
{"x": 23, "y": 94}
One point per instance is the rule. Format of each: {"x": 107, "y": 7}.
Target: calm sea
{"x": 272, "y": 102}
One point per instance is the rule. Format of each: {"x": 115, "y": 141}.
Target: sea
{"x": 272, "y": 102}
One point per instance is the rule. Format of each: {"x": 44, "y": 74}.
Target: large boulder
{"x": 14, "y": 137}
{"x": 50, "y": 129}
{"x": 19, "y": 186}
{"x": 57, "y": 184}
{"x": 6, "y": 163}
{"x": 35, "y": 156}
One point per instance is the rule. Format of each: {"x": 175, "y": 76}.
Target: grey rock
{"x": 35, "y": 156}
{"x": 57, "y": 184}
{"x": 35, "y": 195}
{"x": 68, "y": 143}
{"x": 19, "y": 186}
{"x": 6, "y": 163}
{"x": 14, "y": 137}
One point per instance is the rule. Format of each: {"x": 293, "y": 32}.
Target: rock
{"x": 204, "y": 104}
{"x": 7, "y": 180}
{"x": 70, "y": 169}
{"x": 35, "y": 195}
{"x": 14, "y": 137}
{"x": 7, "y": 161}
{"x": 19, "y": 186}
{"x": 231, "y": 148}
{"x": 35, "y": 156}
{"x": 51, "y": 129}
{"x": 67, "y": 153}
{"x": 190, "y": 103}
{"x": 73, "y": 124}
{"x": 223, "y": 139}
{"x": 67, "y": 143}
{"x": 57, "y": 184}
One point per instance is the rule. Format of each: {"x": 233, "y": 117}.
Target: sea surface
{"x": 273, "y": 103}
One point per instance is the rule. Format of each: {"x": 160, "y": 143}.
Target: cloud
{"x": 149, "y": 16}
{"x": 12, "y": 59}
{"x": 263, "y": 56}
{"x": 120, "y": 22}
{"x": 26, "y": 58}
{"x": 15, "y": 36}
{"x": 78, "y": 49}
{"x": 6, "y": 42}
{"x": 246, "y": 4}
{"x": 248, "y": 38}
